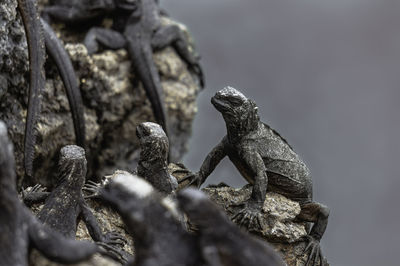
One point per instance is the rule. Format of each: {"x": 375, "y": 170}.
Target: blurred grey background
{"x": 326, "y": 75}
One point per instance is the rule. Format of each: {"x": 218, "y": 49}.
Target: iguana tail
{"x": 33, "y": 31}
{"x": 64, "y": 65}
{"x": 142, "y": 60}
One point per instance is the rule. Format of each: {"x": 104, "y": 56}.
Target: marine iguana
{"x": 153, "y": 160}
{"x": 159, "y": 238}
{"x": 65, "y": 204}
{"x": 222, "y": 242}
{"x": 19, "y": 228}
{"x": 36, "y": 43}
{"x": 267, "y": 161}
{"x": 137, "y": 27}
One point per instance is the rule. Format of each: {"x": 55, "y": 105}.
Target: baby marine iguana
{"x": 159, "y": 238}
{"x": 34, "y": 33}
{"x": 268, "y": 162}
{"x": 19, "y": 228}
{"x": 153, "y": 160}
{"x": 222, "y": 242}
{"x": 66, "y": 204}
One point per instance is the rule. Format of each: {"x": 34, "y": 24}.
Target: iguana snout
{"x": 149, "y": 129}
{"x": 73, "y": 164}
{"x": 228, "y": 99}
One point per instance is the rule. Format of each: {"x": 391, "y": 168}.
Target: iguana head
{"x": 153, "y": 140}
{"x": 7, "y": 163}
{"x": 73, "y": 165}
{"x": 239, "y": 112}
{"x": 130, "y": 196}
{"x": 201, "y": 210}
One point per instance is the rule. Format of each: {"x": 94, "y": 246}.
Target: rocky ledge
{"x": 278, "y": 223}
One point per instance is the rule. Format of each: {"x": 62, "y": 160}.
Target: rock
{"x": 277, "y": 215}
{"x": 114, "y": 100}
{"x": 279, "y": 227}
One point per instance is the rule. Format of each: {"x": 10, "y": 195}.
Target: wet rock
{"x": 114, "y": 100}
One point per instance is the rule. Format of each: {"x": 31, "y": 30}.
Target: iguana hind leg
{"x": 318, "y": 214}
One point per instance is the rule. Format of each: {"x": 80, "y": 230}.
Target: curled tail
{"x": 64, "y": 65}
{"x": 33, "y": 31}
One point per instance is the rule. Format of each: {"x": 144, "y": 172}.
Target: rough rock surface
{"x": 114, "y": 100}
{"x": 279, "y": 226}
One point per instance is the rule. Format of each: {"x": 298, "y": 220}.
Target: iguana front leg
{"x": 250, "y": 215}
{"x": 33, "y": 31}
{"x": 209, "y": 164}
{"x": 173, "y": 35}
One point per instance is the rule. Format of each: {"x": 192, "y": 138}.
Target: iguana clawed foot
{"x": 249, "y": 216}
{"x": 114, "y": 252}
{"x": 313, "y": 249}
{"x": 92, "y": 189}
{"x": 195, "y": 179}
{"x": 114, "y": 239}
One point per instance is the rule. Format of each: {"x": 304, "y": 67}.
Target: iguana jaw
{"x": 228, "y": 99}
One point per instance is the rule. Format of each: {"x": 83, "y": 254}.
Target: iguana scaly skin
{"x": 266, "y": 161}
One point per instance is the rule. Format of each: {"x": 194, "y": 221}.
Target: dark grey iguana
{"x": 153, "y": 160}
{"x": 267, "y": 162}
{"x": 153, "y": 222}
{"x": 20, "y": 230}
{"x": 65, "y": 204}
{"x": 222, "y": 242}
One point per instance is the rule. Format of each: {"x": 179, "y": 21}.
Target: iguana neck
{"x": 236, "y": 130}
